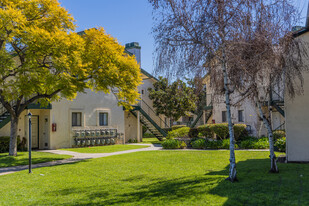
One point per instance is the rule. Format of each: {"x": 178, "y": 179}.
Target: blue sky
{"x": 126, "y": 20}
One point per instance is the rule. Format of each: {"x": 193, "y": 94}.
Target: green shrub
{"x": 148, "y": 135}
{"x": 132, "y": 141}
{"x": 199, "y": 144}
{"x": 178, "y": 126}
{"x": 214, "y": 144}
{"x": 193, "y": 132}
{"x": 183, "y": 145}
{"x": 5, "y": 144}
{"x": 281, "y": 144}
{"x": 205, "y": 131}
{"x": 240, "y": 131}
{"x": 221, "y": 130}
{"x": 226, "y": 144}
{"x": 171, "y": 144}
{"x": 278, "y": 134}
{"x": 255, "y": 143}
{"x": 179, "y": 133}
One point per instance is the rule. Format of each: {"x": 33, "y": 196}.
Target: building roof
{"x": 301, "y": 32}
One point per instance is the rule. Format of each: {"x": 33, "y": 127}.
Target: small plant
{"x": 221, "y": 130}
{"x": 179, "y": 133}
{"x": 255, "y": 143}
{"x": 216, "y": 144}
{"x": 193, "y": 133}
{"x": 226, "y": 144}
{"x": 281, "y": 144}
{"x": 205, "y": 131}
{"x": 148, "y": 135}
{"x": 199, "y": 144}
{"x": 171, "y": 144}
{"x": 178, "y": 126}
{"x": 240, "y": 131}
{"x": 183, "y": 145}
{"x": 278, "y": 134}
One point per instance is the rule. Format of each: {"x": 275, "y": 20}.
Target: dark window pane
{"x": 240, "y": 115}
{"x": 224, "y": 116}
{"x": 103, "y": 119}
{"x": 76, "y": 119}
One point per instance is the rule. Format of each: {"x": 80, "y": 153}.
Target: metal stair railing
{"x": 207, "y": 107}
{"x": 152, "y": 114}
{"x": 280, "y": 127}
{"x": 275, "y": 96}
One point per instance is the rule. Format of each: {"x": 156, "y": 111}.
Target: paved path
{"x": 76, "y": 157}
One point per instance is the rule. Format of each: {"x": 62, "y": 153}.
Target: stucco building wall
{"x": 297, "y": 116}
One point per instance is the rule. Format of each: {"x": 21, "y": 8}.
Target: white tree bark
{"x": 232, "y": 171}
{"x": 273, "y": 164}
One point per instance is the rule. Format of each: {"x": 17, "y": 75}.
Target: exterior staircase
{"x": 277, "y": 101}
{"x": 150, "y": 119}
{"x": 207, "y": 108}
{"x": 199, "y": 118}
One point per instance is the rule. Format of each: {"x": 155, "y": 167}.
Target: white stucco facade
{"x": 297, "y": 113}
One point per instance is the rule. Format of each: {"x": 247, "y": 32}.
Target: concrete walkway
{"x": 76, "y": 157}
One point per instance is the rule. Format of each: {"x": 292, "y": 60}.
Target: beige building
{"x": 243, "y": 111}
{"x": 297, "y": 113}
{"x": 90, "y": 118}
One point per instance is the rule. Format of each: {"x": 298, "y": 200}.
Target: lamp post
{"x": 30, "y": 144}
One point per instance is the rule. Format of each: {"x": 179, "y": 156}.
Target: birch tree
{"x": 269, "y": 56}
{"x": 190, "y": 35}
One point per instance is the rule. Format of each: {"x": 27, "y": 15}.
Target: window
{"x": 224, "y": 117}
{"x": 103, "y": 119}
{"x": 240, "y": 115}
{"x": 76, "y": 119}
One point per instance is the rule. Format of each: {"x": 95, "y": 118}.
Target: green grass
{"x": 160, "y": 178}
{"x": 151, "y": 141}
{"x": 22, "y": 158}
{"x": 105, "y": 149}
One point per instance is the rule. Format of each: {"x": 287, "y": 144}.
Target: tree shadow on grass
{"x": 9, "y": 161}
{"x": 256, "y": 187}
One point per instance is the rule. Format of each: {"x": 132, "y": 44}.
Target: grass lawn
{"x": 160, "y": 178}
{"x": 151, "y": 141}
{"x": 22, "y": 158}
{"x": 105, "y": 149}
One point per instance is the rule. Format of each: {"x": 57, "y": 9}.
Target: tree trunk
{"x": 13, "y": 136}
{"x": 273, "y": 164}
{"x": 232, "y": 172}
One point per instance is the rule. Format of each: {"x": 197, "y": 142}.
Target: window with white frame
{"x": 103, "y": 119}
{"x": 76, "y": 119}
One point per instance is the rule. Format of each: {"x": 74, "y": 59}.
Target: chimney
{"x": 134, "y": 49}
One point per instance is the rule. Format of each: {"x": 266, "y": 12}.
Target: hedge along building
{"x": 87, "y": 116}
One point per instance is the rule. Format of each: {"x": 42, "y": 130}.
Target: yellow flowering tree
{"x": 43, "y": 59}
